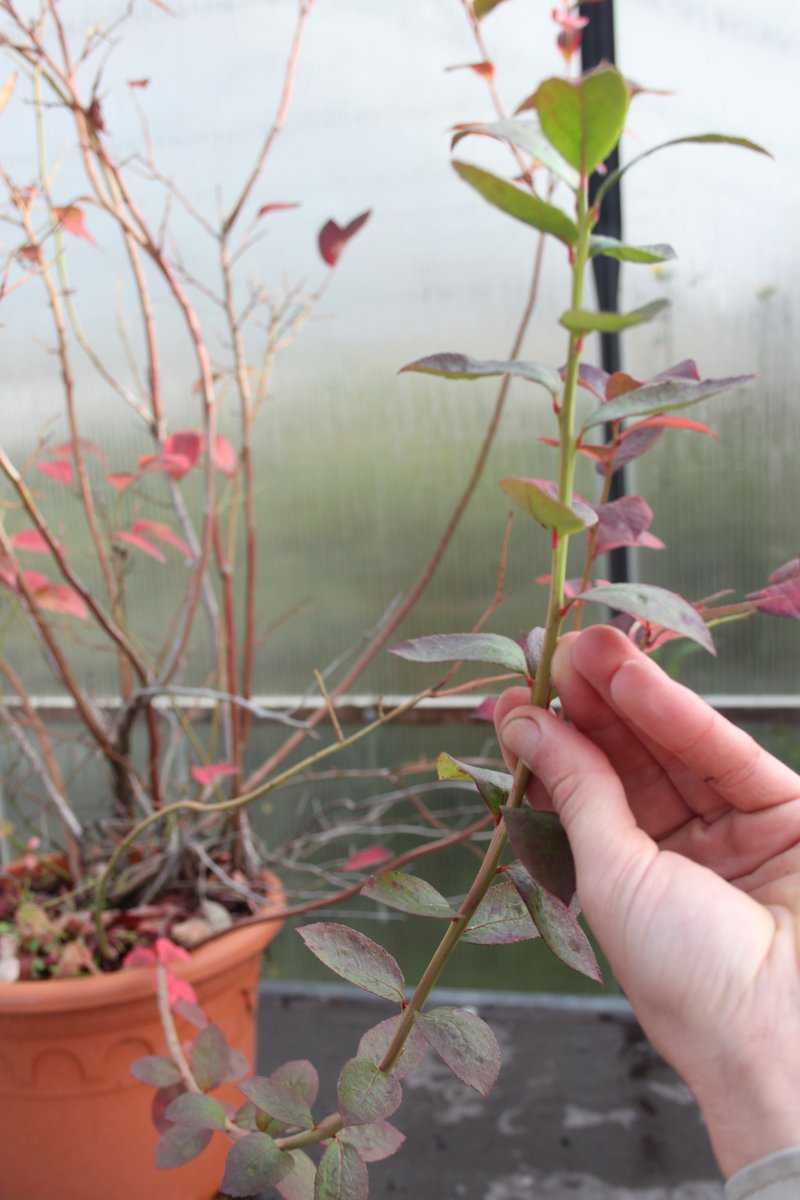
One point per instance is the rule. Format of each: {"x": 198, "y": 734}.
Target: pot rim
{"x": 123, "y": 987}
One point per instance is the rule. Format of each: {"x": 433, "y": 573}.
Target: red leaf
{"x": 30, "y": 540}
{"x": 164, "y": 534}
{"x": 30, "y": 253}
{"x": 780, "y": 599}
{"x": 667, "y": 421}
{"x": 72, "y": 219}
{"x": 121, "y": 480}
{"x": 174, "y": 465}
{"x": 140, "y": 956}
{"x": 276, "y": 206}
{"x": 138, "y": 83}
{"x": 367, "y": 858}
{"x": 333, "y": 238}
{"x": 224, "y": 456}
{"x": 167, "y": 952}
{"x": 187, "y": 442}
{"x": 787, "y": 571}
{"x": 619, "y": 383}
{"x": 133, "y": 539}
{"x": 485, "y": 69}
{"x": 56, "y": 597}
{"x": 214, "y": 771}
{"x": 59, "y": 470}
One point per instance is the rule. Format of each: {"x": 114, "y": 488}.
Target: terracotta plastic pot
{"x": 74, "y": 1123}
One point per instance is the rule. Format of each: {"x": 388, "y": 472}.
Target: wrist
{"x": 751, "y": 1111}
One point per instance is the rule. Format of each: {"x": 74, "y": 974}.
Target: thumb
{"x": 611, "y": 852}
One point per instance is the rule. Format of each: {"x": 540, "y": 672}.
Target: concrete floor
{"x": 584, "y": 1108}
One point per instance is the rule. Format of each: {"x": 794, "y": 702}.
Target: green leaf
{"x": 277, "y": 1100}
{"x": 300, "y": 1077}
{"x": 196, "y": 1112}
{"x": 655, "y": 604}
{"x": 376, "y": 1041}
{"x": 365, "y": 1093}
{"x": 540, "y": 842}
{"x": 662, "y": 396}
{"x": 527, "y": 136}
{"x": 494, "y": 786}
{"x": 460, "y": 366}
{"x": 466, "y": 647}
{"x": 159, "y": 1072}
{"x": 180, "y": 1145}
{"x": 409, "y": 893}
{"x": 538, "y": 498}
{"x": 299, "y": 1183}
{"x": 374, "y": 1142}
{"x": 254, "y": 1163}
{"x": 482, "y": 8}
{"x": 702, "y": 139}
{"x": 210, "y": 1057}
{"x": 501, "y": 918}
{"x": 341, "y": 1174}
{"x": 356, "y": 958}
{"x": 524, "y": 206}
{"x": 583, "y": 118}
{"x": 465, "y": 1043}
{"x": 582, "y": 320}
{"x": 613, "y": 248}
{"x": 557, "y": 924}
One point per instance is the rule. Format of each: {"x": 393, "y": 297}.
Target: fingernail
{"x": 521, "y": 736}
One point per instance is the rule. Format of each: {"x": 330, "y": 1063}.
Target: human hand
{"x": 686, "y": 837}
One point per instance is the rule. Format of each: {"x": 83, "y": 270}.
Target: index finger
{"x": 725, "y": 757}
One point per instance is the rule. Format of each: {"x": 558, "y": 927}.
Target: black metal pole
{"x": 598, "y": 46}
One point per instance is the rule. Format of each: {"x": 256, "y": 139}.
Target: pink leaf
{"x": 367, "y": 858}
{"x": 163, "y": 533}
{"x": 179, "y": 991}
{"x": 133, "y": 539}
{"x": 276, "y": 206}
{"x": 485, "y": 710}
{"x": 214, "y": 771}
{"x": 333, "y": 238}
{"x": 72, "y": 219}
{"x": 167, "y": 952}
{"x": 224, "y": 456}
{"x": 187, "y": 442}
{"x": 67, "y": 450}
{"x": 121, "y": 480}
{"x": 59, "y": 470}
{"x": 55, "y": 597}
{"x": 787, "y": 571}
{"x": 174, "y": 465}
{"x": 780, "y": 599}
{"x": 30, "y": 540}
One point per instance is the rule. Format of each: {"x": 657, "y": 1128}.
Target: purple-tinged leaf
{"x": 333, "y": 238}
{"x": 788, "y": 571}
{"x": 254, "y": 1163}
{"x": 409, "y": 893}
{"x": 685, "y": 369}
{"x": 494, "y": 786}
{"x": 540, "y": 842}
{"x": 157, "y": 1071}
{"x": 278, "y": 1100}
{"x": 366, "y": 1094}
{"x": 485, "y": 710}
{"x": 196, "y": 1112}
{"x": 663, "y": 396}
{"x": 299, "y": 1183}
{"x": 594, "y": 379}
{"x": 460, "y": 366}
{"x": 465, "y": 1043}
{"x": 356, "y": 958}
{"x": 501, "y": 917}
{"x": 524, "y": 206}
{"x": 534, "y": 647}
{"x": 341, "y": 1174}
{"x": 613, "y": 248}
{"x": 636, "y": 442}
{"x": 463, "y": 647}
{"x": 539, "y": 498}
{"x": 161, "y": 1102}
{"x": 656, "y": 605}
{"x": 376, "y": 1041}
{"x": 779, "y": 599}
{"x": 180, "y": 1145}
{"x": 210, "y": 1057}
{"x": 557, "y": 924}
{"x": 300, "y": 1077}
{"x": 622, "y": 523}
{"x": 584, "y": 320}
{"x": 374, "y": 1142}
{"x": 525, "y": 135}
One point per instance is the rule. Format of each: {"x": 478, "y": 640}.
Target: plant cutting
{"x": 263, "y": 1127}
